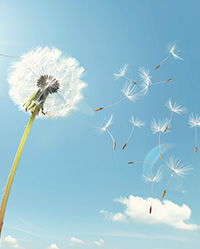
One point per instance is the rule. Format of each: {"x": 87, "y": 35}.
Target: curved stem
{"x": 14, "y": 168}
{"x": 114, "y": 143}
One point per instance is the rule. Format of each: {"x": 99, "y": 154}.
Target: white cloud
{"x": 165, "y": 212}
{"x": 75, "y": 240}
{"x": 99, "y": 243}
{"x": 114, "y": 217}
{"x": 53, "y": 246}
{"x": 11, "y": 242}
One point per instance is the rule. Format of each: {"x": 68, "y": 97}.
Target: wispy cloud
{"x": 22, "y": 230}
{"x": 75, "y": 240}
{"x": 114, "y": 217}
{"x": 99, "y": 243}
{"x": 165, "y": 212}
{"x": 152, "y": 236}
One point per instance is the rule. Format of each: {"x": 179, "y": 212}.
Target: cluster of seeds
{"x": 134, "y": 91}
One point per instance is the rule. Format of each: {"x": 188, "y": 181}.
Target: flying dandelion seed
{"x": 152, "y": 178}
{"x": 194, "y": 122}
{"x": 172, "y": 50}
{"x": 136, "y": 123}
{"x": 42, "y": 82}
{"x": 122, "y": 73}
{"x": 177, "y": 168}
{"x": 102, "y": 127}
{"x": 159, "y": 127}
{"x": 146, "y": 80}
{"x": 142, "y": 163}
{"x": 174, "y": 108}
{"x": 130, "y": 93}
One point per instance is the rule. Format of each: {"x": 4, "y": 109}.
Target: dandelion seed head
{"x": 137, "y": 122}
{"x": 150, "y": 177}
{"x": 194, "y": 120}
{"x": 172, "y": 50}
{"x": 146, "y": 79}
{"x": 121, "y": 72}
{"x": 175, "y": 165}
{"x": 144, "y": 74}
{"x": 175, "y": 107}
{"x": 131, "y": 92}
{"x": 159, "y": 125}
{"x": 104, "y": 124}
{"x": 54, "y": 79}
{"x": 145, "y": 86}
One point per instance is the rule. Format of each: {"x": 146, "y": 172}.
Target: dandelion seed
{"x": 122, "y": 73}
{"x": 152, "y": 178}
{"x": 194, "y": 122}
{"x": 146, "y": 80}
{"x": 159, "y": 127}
{"x": 130, "y": 93}
{"x": 172, "y": 50}
{"x": 42, "y": 82}
{"x": 177, "y": 168}
{"x": 136, "y": 123}
{"x": 174, "y": 108}
{"x": 102, "y": 127}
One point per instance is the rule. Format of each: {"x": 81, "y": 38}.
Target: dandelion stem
{"x": 159, "y": 146}
{"x": 115, "y": 103}
{"x": 14, "y": 168}
{"x": 129, "y": 79}
{"x": 142, "y": 162}
{"x": 195, "y": 139}
{"x": 160, "y": 82}
{"x": 165, "y": 59}
{"x": 170, "y": 120}
{"x": 150, "y": 209}
{"x": 169, "y": 180}
{"x": 129, "y": 137}
{"x": 10, "y": 56}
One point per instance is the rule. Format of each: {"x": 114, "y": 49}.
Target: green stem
{"x": 14, "y": 168}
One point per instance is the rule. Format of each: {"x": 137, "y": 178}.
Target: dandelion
{"x": 136, "y": 123}
{"x": 146, "y": 80}
{"x": 152, "y": 178}
{"x": 122, "y": 73}
{"x": 159, "y": 127}
{"x": 43, "y": 83}
{"x": 174, "y": 108}
{"x": 194, "y": 121}
{"x": 102, "y": 127}
{"x": 172, "y": 50}
{"x": 177, "y": 168}
{"x": 130, "y": 93}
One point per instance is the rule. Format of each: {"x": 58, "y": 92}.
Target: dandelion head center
{"x": 48, "y": 83}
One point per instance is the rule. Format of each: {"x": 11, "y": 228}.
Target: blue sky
{"x": 68, "y": 173}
